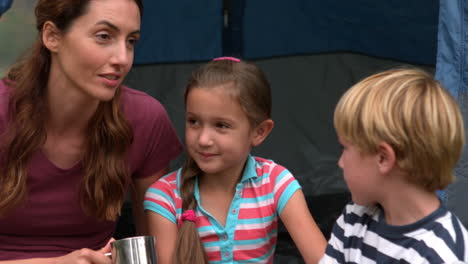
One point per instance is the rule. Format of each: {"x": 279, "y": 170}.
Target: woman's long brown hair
{"x": 247, "y": 84}
{"x": 110, "y": 135}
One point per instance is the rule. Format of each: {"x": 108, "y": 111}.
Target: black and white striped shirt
{"x": 360, "y": 235}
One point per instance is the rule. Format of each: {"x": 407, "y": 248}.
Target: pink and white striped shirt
{"x": 250, "y": 233}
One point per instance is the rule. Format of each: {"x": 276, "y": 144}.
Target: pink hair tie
{"x": 188, "y": 215}
{"x": 227, "y": 58}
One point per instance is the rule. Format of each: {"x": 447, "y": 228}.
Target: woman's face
{"x": 95, "y": 54}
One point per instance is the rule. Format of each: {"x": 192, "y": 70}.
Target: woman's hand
{"x": 87, "y": 256}
{"x": 82, "y": 256}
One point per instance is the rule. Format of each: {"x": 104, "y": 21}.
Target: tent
{"x": 311, "y": 51}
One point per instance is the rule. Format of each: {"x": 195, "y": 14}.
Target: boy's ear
{"x": 50, "y": 36}
{"x": 261, "y": 132}
{"x": 386, "y": 158}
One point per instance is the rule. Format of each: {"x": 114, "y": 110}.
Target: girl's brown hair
{"x": 247, "y": 84}
{"x": 105, "y": 173}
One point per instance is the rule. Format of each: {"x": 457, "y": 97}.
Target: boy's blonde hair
{"x": 410, "y": 111}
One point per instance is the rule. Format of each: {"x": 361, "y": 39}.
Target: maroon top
{"x": 51, "y": 222}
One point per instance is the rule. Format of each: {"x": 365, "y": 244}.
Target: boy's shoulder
{"x": 372, "y": 216}
{"x": 370, "y": 212}
{"x": 438, "y": 238}
{"x": 358, "y": 219}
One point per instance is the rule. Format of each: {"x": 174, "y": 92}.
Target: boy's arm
{"x": 303, "y": 230}
{"x": 165, "y": 232}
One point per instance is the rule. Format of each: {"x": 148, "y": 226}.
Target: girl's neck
{"x": 224, "y": 181}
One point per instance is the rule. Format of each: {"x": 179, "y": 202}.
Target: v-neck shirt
{"x": 51, "y": 221}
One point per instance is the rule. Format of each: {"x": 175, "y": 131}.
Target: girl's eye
{"x": 191, "y": 121}
{"x": 223, "y": 125}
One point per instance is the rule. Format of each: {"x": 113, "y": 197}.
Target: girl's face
{"x": 218, "y": 133}
{"x": 96, "y": 53}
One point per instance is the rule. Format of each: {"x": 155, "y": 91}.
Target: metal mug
{"x": 134, "y": 250}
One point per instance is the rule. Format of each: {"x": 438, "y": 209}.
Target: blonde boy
{"x": 402, "y": 135}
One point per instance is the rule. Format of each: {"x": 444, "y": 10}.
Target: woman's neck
{"x": 69, "y": 110}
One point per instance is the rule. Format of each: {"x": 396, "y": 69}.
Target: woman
{"x": 73, "y": 139}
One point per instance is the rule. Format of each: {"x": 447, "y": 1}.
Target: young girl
{"x": 223, "y": 205}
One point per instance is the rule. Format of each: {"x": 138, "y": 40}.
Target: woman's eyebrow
{"x": 114, "y": 27}
{"x": 109, "y": 24}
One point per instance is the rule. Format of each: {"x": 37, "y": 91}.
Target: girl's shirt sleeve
{"x": 162, "y": 197}
{"x": 285, "y": 186}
